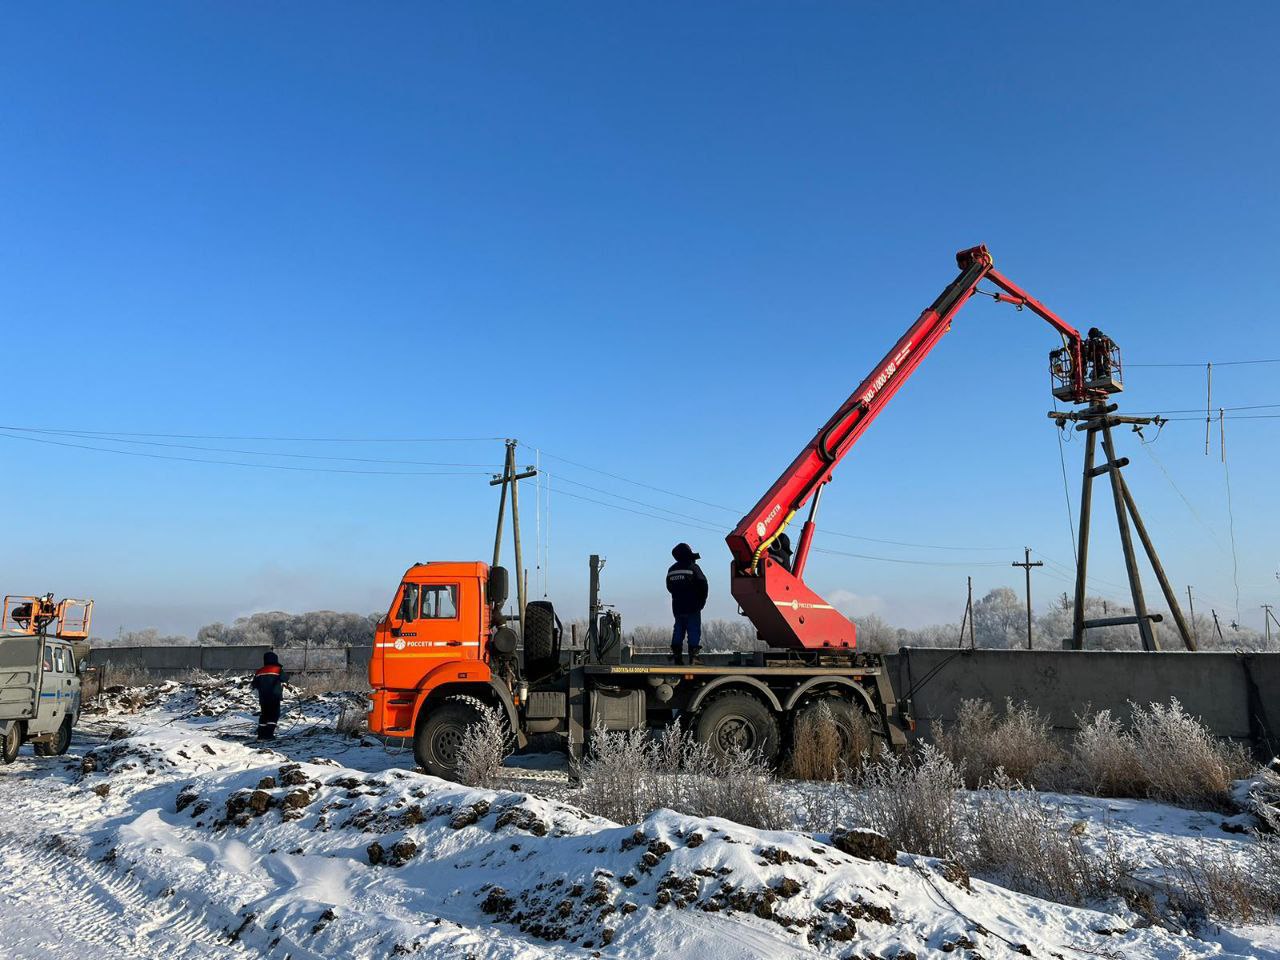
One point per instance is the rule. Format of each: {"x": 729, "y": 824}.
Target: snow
{"x": 169, "y": 841}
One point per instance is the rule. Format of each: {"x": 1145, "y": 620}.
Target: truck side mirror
{"x": 497, "y": 587}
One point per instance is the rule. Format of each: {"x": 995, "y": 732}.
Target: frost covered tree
{"x": 1000, "y": 620}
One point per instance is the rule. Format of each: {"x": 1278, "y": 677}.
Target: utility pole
{"x": 510, "y": 480}
{"x": 1195, "y": 633}
{"x": 1027, "y": 564}
{"x": 1266, "y": 620}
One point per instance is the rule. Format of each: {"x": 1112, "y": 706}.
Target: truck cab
{"x": 435, "y": 635}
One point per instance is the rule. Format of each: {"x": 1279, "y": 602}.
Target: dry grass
{"x": 1018, "y": 743}
{"x": 1181, "y": 762}
{"x": 1165, "y": 754}
{"x": 485, "y": 745}
{"x": 352, "y": 722}
{"x": 629, "y": 774}
{"x": 913, "y": 803}
{"x": 817, "y": 752}
{"x": 1019, "y": 839}
{"x": 331, "y": 681}
{"x": 1104, "y": 758}
{"x": 1207, "y": 883}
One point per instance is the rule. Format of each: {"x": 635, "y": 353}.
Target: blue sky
{"x": 663, "y": 241}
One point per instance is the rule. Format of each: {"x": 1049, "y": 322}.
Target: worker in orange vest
{"x": 269, "y": 682}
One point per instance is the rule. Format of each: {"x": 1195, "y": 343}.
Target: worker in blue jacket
{"x": 269, "y": 682}
{"x": 687, "y": 585}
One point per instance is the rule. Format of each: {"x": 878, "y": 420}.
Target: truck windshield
{"x": 409, "y": 603}
{"x": 48, "y": 658}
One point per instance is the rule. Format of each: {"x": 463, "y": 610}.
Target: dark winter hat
{"x": 269, "y": 659}
{"x": 684, "y": 553}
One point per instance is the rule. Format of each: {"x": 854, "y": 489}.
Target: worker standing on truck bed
{"x": 269, "y": 682}
{"x": 687, "y": 585}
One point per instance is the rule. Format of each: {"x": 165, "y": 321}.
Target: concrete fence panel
{"x": 1236, "y": 696}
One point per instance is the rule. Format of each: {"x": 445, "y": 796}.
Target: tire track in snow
{"x": 75, "y": 898}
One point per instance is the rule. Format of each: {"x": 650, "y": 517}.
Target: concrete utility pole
{"x": 1266, "y": 619}
{"x": 1026, "y": 565}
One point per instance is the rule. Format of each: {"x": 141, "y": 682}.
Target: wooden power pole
{"x": 1027, "y": 564}
{"x": 510, "y": 481}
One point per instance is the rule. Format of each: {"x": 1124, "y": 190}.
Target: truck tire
{"x": 436, "y": 744}
{"x": 857, "y": 733}
{"x": 58, "y": 745}
{"x": 738, "y": 722}
{"x": 539, "y": 632}
{"x": 11, "y": 743}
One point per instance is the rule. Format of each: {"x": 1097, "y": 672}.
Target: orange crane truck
{"x": 445, "y": 648}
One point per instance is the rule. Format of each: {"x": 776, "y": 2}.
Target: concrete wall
{"x": 164, "y": 661}
{"x": 1213, "y": 686}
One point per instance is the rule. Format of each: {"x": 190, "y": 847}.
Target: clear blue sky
{"x": 662, "y": 240}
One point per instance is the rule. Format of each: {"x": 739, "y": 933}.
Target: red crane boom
{"x": 785, "y": 611}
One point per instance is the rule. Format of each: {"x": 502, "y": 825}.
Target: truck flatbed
{"x": 719, "y": 670}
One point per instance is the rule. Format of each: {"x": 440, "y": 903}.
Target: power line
{"x": 1256, "y": 406}
{"x": 920, "y": 563}
{"x": 718, "y": 506}
{"x": 103, "y": 438}
{"x": 1216, "y": 363}
{"x": 240, "y": 463}
{"x": 211, "y": 436}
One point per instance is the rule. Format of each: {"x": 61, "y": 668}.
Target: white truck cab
{"x": 39, "y": 683}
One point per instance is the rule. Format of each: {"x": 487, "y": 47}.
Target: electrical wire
{"x": 920, "y": 563}
{"x": 1216, "y": 363}
{"x": 651, "y": 506}
{"x": 1231, "y": 516}
{"x": 1178, "y": 490}
{"x": 210, "y": 436}
{"x": 240, "y": 463}
{"x": 1256, "y": 406}
{"x": 1066, "y": 488}
{"x": 102, "y": 438}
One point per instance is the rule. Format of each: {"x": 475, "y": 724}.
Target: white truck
{"x": 42, "y": 645}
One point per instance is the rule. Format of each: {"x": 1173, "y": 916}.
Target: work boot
{"x": 676, "y": 657}
{"x": 694, "y": 659}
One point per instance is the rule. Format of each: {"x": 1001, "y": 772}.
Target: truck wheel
{"x": 539, "y": 632}
{"x": 738, "y": 722}
{"x": 61, "y": 740}
{"x": 58, "y": 744}
{"x": 439, "y": 739}
{"x": 11, "y": 743}
{"x": 855, "y": 730}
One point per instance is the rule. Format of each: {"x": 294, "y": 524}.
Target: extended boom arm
{"x": 785, "y": 611}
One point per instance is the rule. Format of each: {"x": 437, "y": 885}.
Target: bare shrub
{"x": 1019, "y": 742}
{"x": 913, "y": 803}
{"x": 1105, "y": 758}
{"x": 629, "y": 774}
{"x": 331, "y": 681}
{"x": 1204, "y": 881}
{"x": 1181, "y": 761}
{"x": 352, "y": 722}
{"x": 617, "y": 774}
{"x": 817, "y": 753}
{"x": 1021, "y": 840}
{"x": 127, "y": 675}
{"x": 485, "y": 745}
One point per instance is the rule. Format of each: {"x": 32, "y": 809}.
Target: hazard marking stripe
{"x": 797, "y": 605}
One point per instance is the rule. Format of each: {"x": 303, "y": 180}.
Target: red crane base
{"x": 787, "y": 613}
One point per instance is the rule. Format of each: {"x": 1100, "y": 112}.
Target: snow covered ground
{"x": 166, "y": 833}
